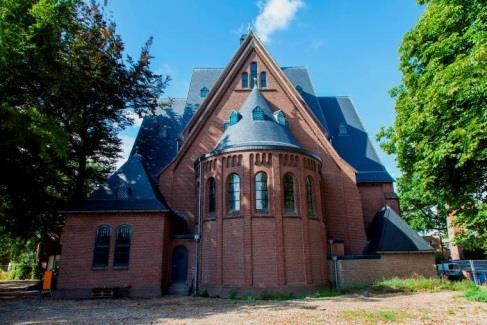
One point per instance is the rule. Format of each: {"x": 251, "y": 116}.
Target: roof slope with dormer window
{"x": 128, "y": 189}
{"x": 256, "y": 131}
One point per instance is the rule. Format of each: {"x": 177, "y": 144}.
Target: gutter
{"x": 197, "y": 236}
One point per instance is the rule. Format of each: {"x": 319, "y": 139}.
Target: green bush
{"x": 476, "y": 294}
{"x": 25, "y": 267}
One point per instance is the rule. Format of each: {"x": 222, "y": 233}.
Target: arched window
{"x": 245, "y": 80}
{"x": 122, "y": 246}
{"x": 233, "y": 193}
{"x": 102, "y": 246}
{"x": 289, "y": 202}
{"x": 204, "y": 92}
{"x": 263, "y": 80}
{"x": 258, "y": 114}
{"x": 261, "y": 193}
{"x": 211, "y": 196}
{"x": 309, "y": 196}
{"x": 253, "y": 74}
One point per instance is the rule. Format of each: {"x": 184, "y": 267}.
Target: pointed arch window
{"x": 308, "y": 184}
{"x": 261, "y": 192}
{"x": 258, "y": 114}
{"x": 263, "y": 80}
{"x": 204, "y": 92}
{"x": 211, "y": 196}
{"x": 233, "y": 193}
{"x": 245, "y": 80}
{"x": 253, "y": 74}
{"x": 289, "y": 199}
{"x": 122, "y": 246}
{"x": 102, "y": 246}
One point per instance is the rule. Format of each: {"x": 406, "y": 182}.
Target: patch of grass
{"x": 323, "y": 294}
{"x": 5, "y": 276}
{"x": 410, "y": 285}
{"x": 476, "y": 294}
{"x": 375, "y": 316}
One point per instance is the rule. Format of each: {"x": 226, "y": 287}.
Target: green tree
{"x": 440, "y": 133}
{"x": 66, "y": 90}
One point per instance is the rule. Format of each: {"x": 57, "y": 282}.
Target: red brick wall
{"x": 272, "y": 249}
{"x": 76, "y": 274}
{"x": 376, "y": 195}
{"x": 367, "y": 271}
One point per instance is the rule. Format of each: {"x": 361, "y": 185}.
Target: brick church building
{"x": 253, "y": 182}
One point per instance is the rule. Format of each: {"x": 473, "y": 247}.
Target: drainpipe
{"x": 197, "y": 236}
{"x": 335, "y": 265}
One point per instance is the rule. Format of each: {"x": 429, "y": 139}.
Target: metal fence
{"x": 476, "y": 268}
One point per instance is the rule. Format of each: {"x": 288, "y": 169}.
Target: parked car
{"x": 449, "y": 270}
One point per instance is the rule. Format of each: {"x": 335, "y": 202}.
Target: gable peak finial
{"x": 255, "y": 83}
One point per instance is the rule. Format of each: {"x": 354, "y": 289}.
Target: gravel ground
{"x": 423, "y": 308}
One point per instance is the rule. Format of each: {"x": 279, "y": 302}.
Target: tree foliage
{"x": 440, "y": 133}
{"x": 66, "y": 90}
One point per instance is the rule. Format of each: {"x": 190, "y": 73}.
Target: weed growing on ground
{"x": 476, "y": 294}
{"x": 374, "y": 317}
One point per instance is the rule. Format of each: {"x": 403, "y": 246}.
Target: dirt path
{"x": 424, "y": 308}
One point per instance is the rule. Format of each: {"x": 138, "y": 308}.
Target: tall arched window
{"x": 309, "y": 196}
{"x": 245, "y": 80}
{"x": 253, "y": 74}
{"x": 204, "y": 92}
{"x": 233, "y": 193}
{"x": 261, "y": 193}
{"x": 258, "y": 114}
{"x": 263, "y": 80}
{"x": 122, "y": 246}
{"x": 211, "y": 196}
{"x": 289, "y": 201}
{"x": 102, "y": 246}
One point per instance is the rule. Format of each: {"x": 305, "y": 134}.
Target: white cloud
{"x": 275, "y": 15}
{"x": 127, "y": 143}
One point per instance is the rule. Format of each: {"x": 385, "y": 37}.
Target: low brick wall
{"x": 369, "y": 270}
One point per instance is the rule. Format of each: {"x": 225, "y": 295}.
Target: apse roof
{"x": 251, "y": 133}
{"x": 388, "y": 232}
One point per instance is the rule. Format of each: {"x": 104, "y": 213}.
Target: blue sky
{"x": 349, "y": 46}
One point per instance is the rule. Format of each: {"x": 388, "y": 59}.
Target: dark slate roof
{"x": 142, "y": 195}
{"x": 388, "y": 232}
{"x": 157, "y": 138}
{"x": 202, "y": 77}
{"x": 248, "y": 133}
{"x": 299, "y": 77}
{"x": 355, "y": 147}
